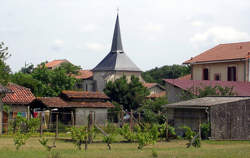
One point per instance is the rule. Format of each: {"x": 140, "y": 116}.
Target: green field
{"x": 173, "y": 149}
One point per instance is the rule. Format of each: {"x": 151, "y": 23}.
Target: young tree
{"x": 4, "y": 68}
{"x": 130, "y": 95}
{"x": 152, "y": 110}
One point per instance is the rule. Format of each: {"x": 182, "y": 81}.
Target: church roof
{"x": 116, "y": 60}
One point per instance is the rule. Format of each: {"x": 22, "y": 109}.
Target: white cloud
{"x": 89, "y": 28}
{"x": 153, "y": 27}
{"x": 197, "y": 23}
{"x": 57, "y": 44}
{"x": 219, "y": 34}
{"x": 97, "y": 47}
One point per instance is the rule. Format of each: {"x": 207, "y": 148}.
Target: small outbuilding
{"x": 75, "y": 107}
{"x": 229, "y": 116}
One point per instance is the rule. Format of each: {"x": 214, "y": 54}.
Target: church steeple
{"x": 117, "y": 41}
{"x": 117, "y": 60}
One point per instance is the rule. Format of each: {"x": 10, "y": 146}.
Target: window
{"x": 231, "y": 73}
{"x": 205, "y": 74}
{"x": 217, "y": 77}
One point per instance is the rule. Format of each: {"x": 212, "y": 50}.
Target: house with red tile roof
{"x": 155, "y": 89}
{"x": 176, "y": 87}
{"x": 18, "y": 100}
{"x": 224, "y": 62}
{"x": 75, "y": 106}
{"x": 3, "y": 91}
{"x": 55, "y": 63}
{"x": 86, "y": 82}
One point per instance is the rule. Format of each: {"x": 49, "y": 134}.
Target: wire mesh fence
{"x": 58, "y": 123}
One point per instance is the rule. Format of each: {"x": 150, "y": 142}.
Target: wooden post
{"x": 56, "y": 124}
{"x": 200, "y": 126}
{"x": 86, "y": 141}
{"x": 139, "y": 117}
{"x": 131, "y": 119}
{"x": 119, "y": 117}
{"x": 90, "y": 126}
{"x": 72, "y": 118}
{"x": 167, "y": 139}
{"x": 122, "y": 117}
{"x": 41, "y": 124}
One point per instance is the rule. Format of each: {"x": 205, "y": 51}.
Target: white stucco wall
{"x": 218, "y": 68}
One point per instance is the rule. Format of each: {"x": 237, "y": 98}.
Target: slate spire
{"x": 116, "y": 60}
{"x": 117, "y": 41}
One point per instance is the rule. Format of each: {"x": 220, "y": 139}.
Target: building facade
{"x": 225, "y": 62}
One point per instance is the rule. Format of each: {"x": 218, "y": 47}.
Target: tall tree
{"x": 168, "y": 71}
{"x": 130, "y": 95}
{"x": 4, "y": 68}
{"x": 45, "y": 82}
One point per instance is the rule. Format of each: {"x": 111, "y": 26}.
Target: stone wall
{"x": 81, "y": 115}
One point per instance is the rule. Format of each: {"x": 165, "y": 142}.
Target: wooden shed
{"x": 229, "y": 116}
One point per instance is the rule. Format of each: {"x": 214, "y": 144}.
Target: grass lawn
{"x": 173, "y": 149}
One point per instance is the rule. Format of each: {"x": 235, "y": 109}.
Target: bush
{"x": 205, "y": 130}
{"x": 79, "y": 135}
{"x": 192, "y": 137}
{"x": 20, "y": 139}
{"x": 154, "y": 153}
{"x": 127, "y": 133}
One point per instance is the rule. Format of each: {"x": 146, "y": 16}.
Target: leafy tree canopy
{"x": 130, "y": 95}
{"x": 4, "y": 68}
{"x": 207, "y": 91}
{"x": 168, "y": 71}
{"x": 45, "y": 82}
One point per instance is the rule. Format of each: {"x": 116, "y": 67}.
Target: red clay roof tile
{"x": 19, "y": 95}
{"x": 240, "y": 88}
{"x": 186, "y": 77}
{"x": 57, "y": 102}
{"x": 84, "y": 95}
{"x": 55, "y": 63}
{"x": 230, "y": 51}
{"x": 84, "y": 74}
{"x": 157, "y": 95}
{"x": 149, "y": 85}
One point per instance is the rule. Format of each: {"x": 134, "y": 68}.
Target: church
{"x": 113, "y": 66}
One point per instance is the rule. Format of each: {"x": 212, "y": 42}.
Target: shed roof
{"x": 205, "y": 102}
{"x": 84, "y": 95}
{"x": 186, "y": 77}
{"x": 19, "y": 95}
{"x": 84, "y": 74}
{"x": 222, "y": 52}
{"x": 240, "y": 88}
{"x": 57, "y": 102}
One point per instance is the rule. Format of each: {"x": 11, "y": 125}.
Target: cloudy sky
{"x": 154, "y": 32}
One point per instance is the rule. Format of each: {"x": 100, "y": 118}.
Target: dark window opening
{"x": 231, "y": 73}
{"x": 205, "y": 74}
{"x": 217, "y": 77}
